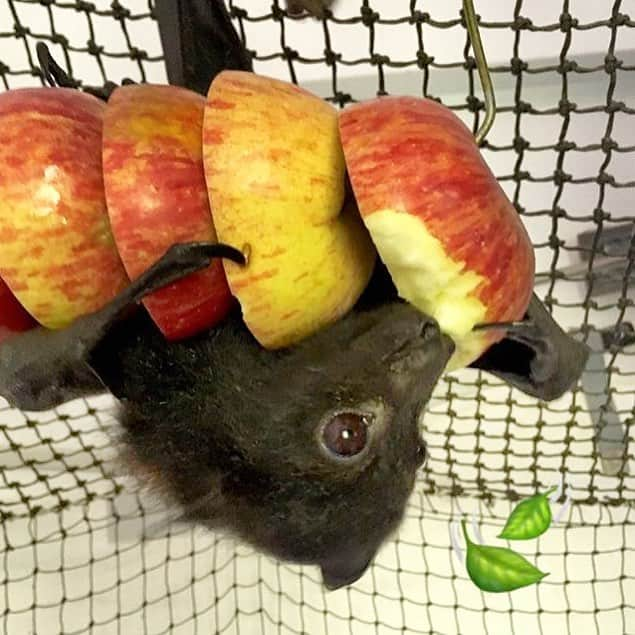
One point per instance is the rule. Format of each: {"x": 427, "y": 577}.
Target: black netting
{"x": 563, "y": 147}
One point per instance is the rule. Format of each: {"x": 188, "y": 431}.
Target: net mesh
{"x": 85, "y": 552}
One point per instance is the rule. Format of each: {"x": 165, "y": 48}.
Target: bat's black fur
{"x": 230, "y": 431}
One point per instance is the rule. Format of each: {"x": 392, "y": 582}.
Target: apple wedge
{"x": 276, "y": 179}
{"x": 58, "y": 255}
{"x": 452, "y": 241}
{"x": 157, "y": 196}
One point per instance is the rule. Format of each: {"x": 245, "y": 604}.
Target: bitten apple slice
{"x": 13, "y": 318}
{"x": 276, "y": 178}
{"x": 157, "y": 196}
{"x": 57, "y": 252}
{"x": 453, "y": 243}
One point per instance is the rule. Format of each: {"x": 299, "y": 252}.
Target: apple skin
{"x": 13, "y": 318}
{"x": 276, "y": 178}
{"x": 58, "y": 256}
{"x": 451, "y": 239}
{"x": 157, "y": 196}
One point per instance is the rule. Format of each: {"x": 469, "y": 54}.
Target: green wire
{"x": 483, "y": 71}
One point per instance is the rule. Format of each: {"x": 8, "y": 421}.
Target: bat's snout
{"x": 416, "y": 336}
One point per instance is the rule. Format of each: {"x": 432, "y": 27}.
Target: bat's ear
{"x": 41, "y": 369}
{"x": 536, "y": 356}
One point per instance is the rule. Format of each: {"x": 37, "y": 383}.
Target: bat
{"x": 308, "y": 453}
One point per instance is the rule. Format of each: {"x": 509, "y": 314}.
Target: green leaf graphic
{"x": 529, "y": 519}
{"x": 496, "y": 569}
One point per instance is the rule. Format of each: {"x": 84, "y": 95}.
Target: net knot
{"x": 560, "y": 177}
{"x": 138, "y": 54}
{"x": 331, "y": 57}
{"x": 470, "y": 64}
{"x": 619, "y": 19}
{"x": 567, "y": 22}
{"x": 379, "y": 60}
{"x": 119, "y": 12}
{"x": 608, "y": 144}
{"x": 94, "y": 48}
{"x": 277, "y": 13}
{"x": 521, "y": 23}
{"x": 341, "y": 99}
{"x": 615, "y": 106}
{"x": 518, "y": 66}
{"x": 290, "y": 54}
{"x": 565, "y": 146}
{"x": 555, "y": 242}
{"x": 20, "y": 31}
{"x": 58, "y": 38}
{"x": 423, "y": 59}
{"x": 565, "y": 107}
{"x": 419, "y": 17}
{"x": 599, "y": 215}
{"x": 567, "y": 66}
{"x": 605, "y": 179}
{"x": 474, "y": 104}
{"x": 522, "y": 107}
{"x": 611, "y": 64}
{"x": 369, "y": 17}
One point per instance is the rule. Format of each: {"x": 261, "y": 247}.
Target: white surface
{"x": 97, "y": 576}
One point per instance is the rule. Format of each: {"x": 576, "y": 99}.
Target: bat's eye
{"x": 346, "y": 434}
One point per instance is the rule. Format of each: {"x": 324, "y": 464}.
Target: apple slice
{"x": 276, "y": 179}
{"x": 13, "y": 318}
{"x": 58, "y": 256}
{"x": 157, "y": 196}
{"x": 452, "y": 241}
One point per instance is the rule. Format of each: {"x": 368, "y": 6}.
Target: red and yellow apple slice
{"x": 276, "y": 178}
{"x": 13, "y": 318}
{"x": 157, "y": 196}
{"x": 57, "y": 252}
{"x": 452, "y": 241}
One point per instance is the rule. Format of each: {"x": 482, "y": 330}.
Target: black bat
{"x": 309, "y": 453}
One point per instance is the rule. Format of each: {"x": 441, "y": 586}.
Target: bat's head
{"x": 309, "y": 453}
{"x": 326, "y": 475}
